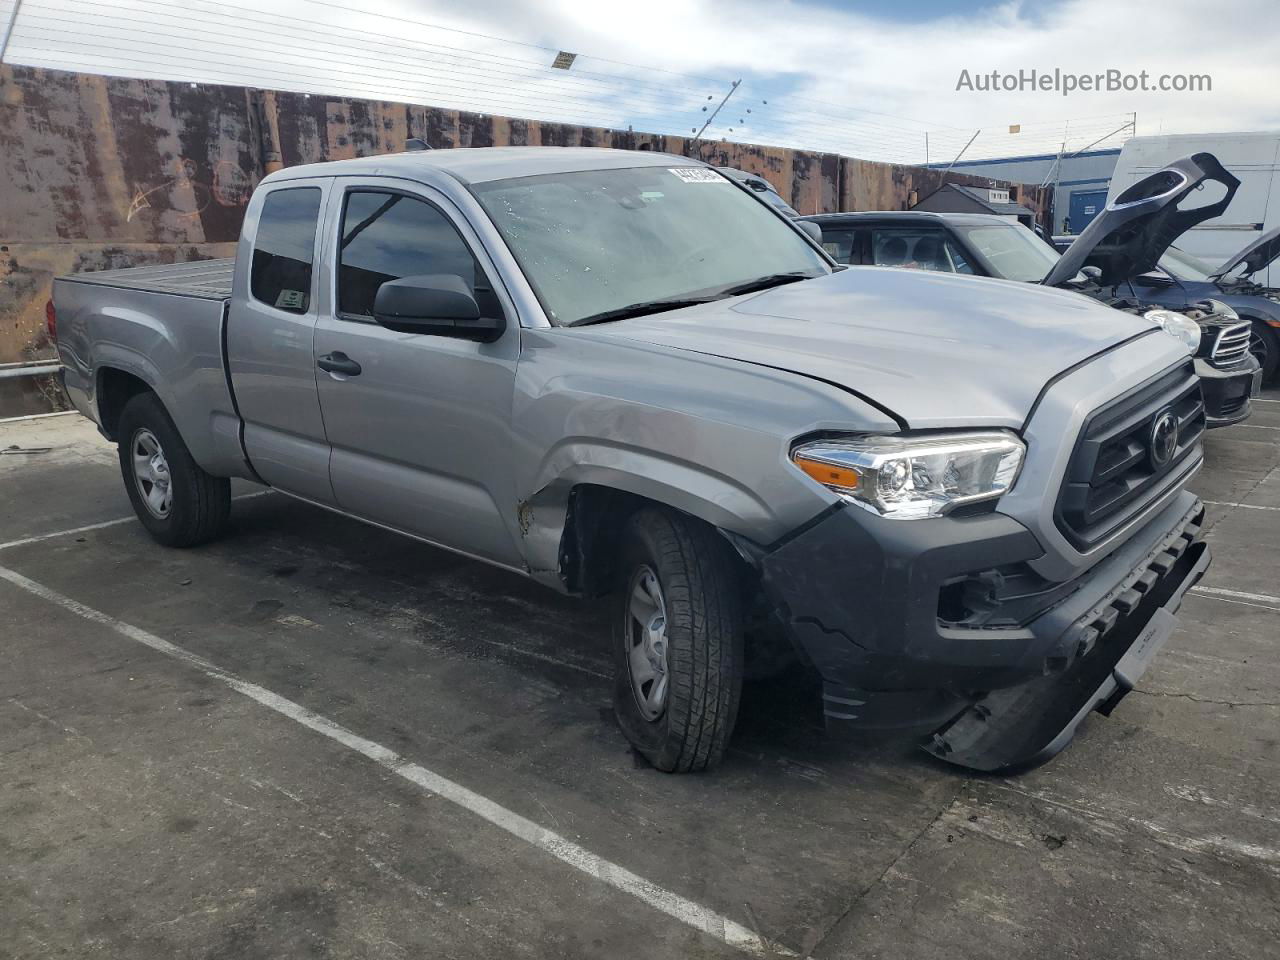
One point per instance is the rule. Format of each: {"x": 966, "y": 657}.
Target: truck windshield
{"x": 1012, "y": 252}
{"x": 594, "y": 244}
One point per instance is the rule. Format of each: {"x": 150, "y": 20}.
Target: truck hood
{"x": 1255, "y": 256}
{"x": 931, "y": 349}
{"x": 1135, "y": 229}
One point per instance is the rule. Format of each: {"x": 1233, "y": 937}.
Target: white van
{"x": 1252, "y": 157}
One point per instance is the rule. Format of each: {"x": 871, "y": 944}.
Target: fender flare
{"x": 690, "y": 488}
{"x": 114, "y": 357}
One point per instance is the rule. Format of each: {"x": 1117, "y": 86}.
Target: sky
{"x": 869, "y": 78}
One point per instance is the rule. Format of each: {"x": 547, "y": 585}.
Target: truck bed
{"x": 206, "y": 279}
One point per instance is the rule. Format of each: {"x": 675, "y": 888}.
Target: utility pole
{"x": 8, "y": 28}
{"x": 926, "y": 148}
{"x": 732, "y": 89}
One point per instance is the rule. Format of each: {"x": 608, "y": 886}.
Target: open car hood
{"x": 1136, "y": 228}
{"x": 1258, "y": 255}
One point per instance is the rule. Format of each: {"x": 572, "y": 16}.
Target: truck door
{"x": 269, "y": 338}
{"x": 419, "y": 425}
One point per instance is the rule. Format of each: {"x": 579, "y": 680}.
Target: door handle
{"x": 339, "y": 362}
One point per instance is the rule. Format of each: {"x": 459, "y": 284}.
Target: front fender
{"x": 691, "y": 488}
{"x": 702, "y": 434}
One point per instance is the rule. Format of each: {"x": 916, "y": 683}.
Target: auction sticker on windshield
{"x": 697, "y": 175}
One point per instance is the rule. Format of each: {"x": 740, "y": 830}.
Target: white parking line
{"x": 103, "y": 525}
{"x": 1219, "y": 592}
{"x": 1246, "y": 506}
{"x": 672, "y": 904}
{"x": 1254, "y": 426}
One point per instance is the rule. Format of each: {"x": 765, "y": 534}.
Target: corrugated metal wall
{"x": 99, "y": 172}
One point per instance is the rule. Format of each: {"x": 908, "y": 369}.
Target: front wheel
{"x": 678, "y": 640}
{"x": 178, "y": 503}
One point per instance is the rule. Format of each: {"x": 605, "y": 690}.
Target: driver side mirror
{"x": 439, "y": 304}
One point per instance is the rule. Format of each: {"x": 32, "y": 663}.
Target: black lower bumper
{"x": 1228, "y": 393}
{"x": 1024, "y": 726}
{"x": 942, "y": 624}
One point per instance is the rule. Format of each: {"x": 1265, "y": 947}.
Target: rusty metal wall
{"x": 99, "y": 172}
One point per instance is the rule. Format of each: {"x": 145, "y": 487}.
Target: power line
{"x": 344, "y": 32}
{"x": 376, "y": 68}
{"x": 903, "y": 136}
{"x": 434, "y": 26}
{"x": 660, "y": 103}
{"x": 303, "y": 73}
{"x": 478, "y": 80}
{"x": 322, "y": 87}
{"x": 342, "y": 40}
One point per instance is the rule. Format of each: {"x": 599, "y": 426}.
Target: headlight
{"x": 909, "y": 477}
{"x": 1177, "y": 326}
{"x": 1222, "y": 309}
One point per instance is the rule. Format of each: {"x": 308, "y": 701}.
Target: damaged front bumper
{"x": 941, "y": 624}
{"x": 1228, "y": 392}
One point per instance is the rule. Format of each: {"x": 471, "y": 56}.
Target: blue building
{"x": 1082, "y": 180}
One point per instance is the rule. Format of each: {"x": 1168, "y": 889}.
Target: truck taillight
{"x": 51, "y": 321}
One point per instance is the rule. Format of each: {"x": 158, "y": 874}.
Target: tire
{"x": 1265, "y": 345}
{"x": 198, "y": 505}
{"x": 700, "y": 603}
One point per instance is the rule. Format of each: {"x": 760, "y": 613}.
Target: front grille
{"x": 1231, "y": 346}
{"x": 1113, "y": 474}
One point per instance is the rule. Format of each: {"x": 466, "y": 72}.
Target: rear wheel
{"x": 678, "y": 641}
{"x": 178, "y": 503}
{"x": 1263, "y": 345}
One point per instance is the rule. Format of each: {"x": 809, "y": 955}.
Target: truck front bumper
{"x": 940, "y": 624}
{"x": 1228, "y": 393}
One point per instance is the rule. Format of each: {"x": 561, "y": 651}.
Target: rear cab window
{"x": 284, "y": 249}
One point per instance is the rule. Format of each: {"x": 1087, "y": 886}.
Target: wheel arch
{"x": 1266, "y": 328}
{"x": 113, "y": 388}
{"x": 571, "y": 526}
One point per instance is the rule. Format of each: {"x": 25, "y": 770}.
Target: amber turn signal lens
{"x": 829, "y": 474}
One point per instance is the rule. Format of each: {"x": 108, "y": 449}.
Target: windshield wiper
{"x": 642, "y": 309}
{"x": 767, "y": 281}
{"x": 646, "y": 307}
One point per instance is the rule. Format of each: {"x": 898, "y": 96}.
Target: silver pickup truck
{"x": 959, "y": 502}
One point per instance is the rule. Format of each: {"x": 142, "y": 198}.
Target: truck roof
{"x": 482, "y": 164}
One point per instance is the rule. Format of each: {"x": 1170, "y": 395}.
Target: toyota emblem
{"x": 1163, "y": 442}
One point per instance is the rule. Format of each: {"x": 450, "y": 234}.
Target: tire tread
{"x": 703, "y": 591}
{"x": 201, "y": 502}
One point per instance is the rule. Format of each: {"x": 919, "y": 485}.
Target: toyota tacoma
{"x": 962, "y": 501}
